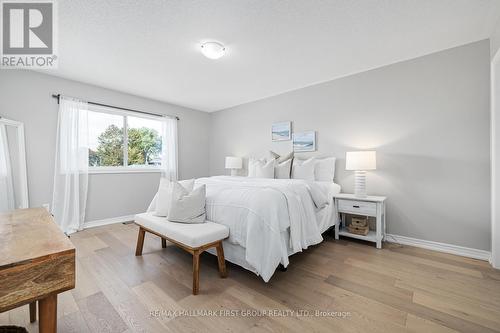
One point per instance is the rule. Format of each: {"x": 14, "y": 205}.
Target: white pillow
{"x": 304, "y": 169}
{"x": 164, "y": 195}
{"x": 282, "y": 170}
{"x": 265, "y": 170}
{"x": 261, "y": 168}
{"x": 252, "y": 166}
{"x": 187, "y": 207}
{"x": 329, "y": 188}
{"x": 280, "y": 158}
{"x": 325, "y": 169}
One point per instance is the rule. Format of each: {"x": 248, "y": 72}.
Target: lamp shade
{"x": 360, "y": 160}
{"x": 234, "y": 162}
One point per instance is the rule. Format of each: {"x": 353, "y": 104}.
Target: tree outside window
{"x": 107, "y": 138}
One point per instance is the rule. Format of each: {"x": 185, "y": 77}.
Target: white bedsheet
{"x": 270, "y": 218}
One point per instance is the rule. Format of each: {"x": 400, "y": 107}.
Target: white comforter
{"x": 258, "y": 211}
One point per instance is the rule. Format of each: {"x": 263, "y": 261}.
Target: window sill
{"x": 104, "y": 170}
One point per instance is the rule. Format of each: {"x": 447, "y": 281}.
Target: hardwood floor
{"x": 396, "y": 289}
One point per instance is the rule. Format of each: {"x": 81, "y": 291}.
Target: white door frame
{"x": 495, "y": 161}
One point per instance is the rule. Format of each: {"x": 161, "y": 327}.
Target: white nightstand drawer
{"x": 357, "y": 207}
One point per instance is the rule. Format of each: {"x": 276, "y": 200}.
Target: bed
{"x": 269, "y": 219}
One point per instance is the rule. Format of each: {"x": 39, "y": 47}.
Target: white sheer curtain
{"x": 71, "y": 165}
{"x": 169, "y": 149}
{"x": 7, "y": 198}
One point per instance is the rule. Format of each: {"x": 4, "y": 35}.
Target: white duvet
{"x": 260, "y": 211}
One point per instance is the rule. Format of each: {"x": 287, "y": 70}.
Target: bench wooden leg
{"x": 221, "y": 260}
{"x": 196, "y": 271}
{"x": 140, "y": 242}
{"x": 32, "y": 312}
{"x": 163, "y": 243}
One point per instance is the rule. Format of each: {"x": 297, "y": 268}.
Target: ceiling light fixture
{"x": 213, "y": 50}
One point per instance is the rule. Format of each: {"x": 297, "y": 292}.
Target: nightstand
{"x": 368, "y": 206}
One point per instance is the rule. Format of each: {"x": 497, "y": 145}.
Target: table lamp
{"x": 234, "y": 163}
{"x": 360, "y": 162}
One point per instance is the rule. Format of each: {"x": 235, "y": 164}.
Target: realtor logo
{"x": 28, "y": 32}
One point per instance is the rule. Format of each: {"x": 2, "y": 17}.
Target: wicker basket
{"x": 359, "y": 222}
{"x": 358, "y": 230}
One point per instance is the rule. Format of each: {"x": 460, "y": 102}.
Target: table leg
{"x": 337, "y": 225}
{"x": 379, "y": 226}
{"x": 47, "y": 312}
{"x": 32, "y": 312}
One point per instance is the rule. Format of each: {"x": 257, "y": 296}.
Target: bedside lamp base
{"x": 360, "y": 184}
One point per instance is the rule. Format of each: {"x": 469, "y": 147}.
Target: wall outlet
{"x": 47, "y": 207}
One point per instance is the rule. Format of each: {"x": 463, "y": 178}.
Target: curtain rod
{"x": 58, "y": 96}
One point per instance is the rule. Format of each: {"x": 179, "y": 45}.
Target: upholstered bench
{"x": 193, "y": 238}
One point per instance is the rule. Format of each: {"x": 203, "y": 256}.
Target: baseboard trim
{"x": 440, "y": 247}
{"x": 112, "y": 220}
{"x": 391, "y": 238}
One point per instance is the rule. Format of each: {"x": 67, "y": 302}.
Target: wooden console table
{"x": 37, "y": 261}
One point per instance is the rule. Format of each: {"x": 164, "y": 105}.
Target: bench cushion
{"x": 192, "y": 235}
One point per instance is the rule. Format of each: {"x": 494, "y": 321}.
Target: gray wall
{"x": 495, "y": 41}
{"x": 25, "y": 96}
{"x": 428, "y": 119}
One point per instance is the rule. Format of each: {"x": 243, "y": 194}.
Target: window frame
{"x": 125, "y": 168}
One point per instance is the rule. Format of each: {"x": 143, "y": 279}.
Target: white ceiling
{"x": 150, "y": 48}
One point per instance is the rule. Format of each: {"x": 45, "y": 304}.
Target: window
{"x": 105, "y": 139}
{"x": 144, "y": 141}
{"x": 121, "y": 141}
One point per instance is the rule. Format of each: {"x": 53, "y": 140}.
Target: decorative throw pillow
{"x": 282, "y": 163}
{"x": 261, "y": 168}
{"x": 304, "y": 169}
{"x": 273, "y": 155}
{"x": 282, "y": 170}
{"x": 164, "y": 195}
{"x": 187, "y": 207}
{"x": 280, "y": 158}
{"x": 265, "y": 170}
{"x": 325, "y": 169}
